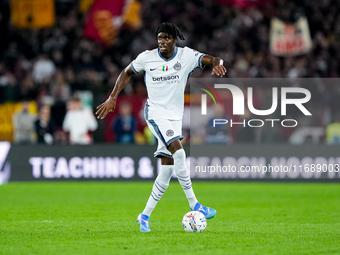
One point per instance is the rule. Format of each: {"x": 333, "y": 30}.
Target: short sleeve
{"x": 139, "y": 63}
{"x": 194, "y": 58}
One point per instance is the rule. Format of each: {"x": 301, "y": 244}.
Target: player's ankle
{"x": 144, "y": 217}
{"x": 197, "y": 206}
{"x": 192, "y": 202}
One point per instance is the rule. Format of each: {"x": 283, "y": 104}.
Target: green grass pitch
{"x": 99, "y": 218}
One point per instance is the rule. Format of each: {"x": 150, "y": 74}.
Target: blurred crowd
{"x": 53, "y": 66}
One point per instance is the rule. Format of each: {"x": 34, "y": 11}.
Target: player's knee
{"x": 179, "y": 157}
{"x": 180, "y": 162}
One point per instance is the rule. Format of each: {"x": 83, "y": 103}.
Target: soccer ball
{"x": 194, "y": 221}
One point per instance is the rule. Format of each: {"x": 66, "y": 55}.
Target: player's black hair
{"x": 170, "y": 29}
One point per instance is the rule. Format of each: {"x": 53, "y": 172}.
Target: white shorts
{"x": 165, "y": 131}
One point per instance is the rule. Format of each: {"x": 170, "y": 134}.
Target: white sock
{"x": 159, "y": 187}
{"x": 183, "y": 176}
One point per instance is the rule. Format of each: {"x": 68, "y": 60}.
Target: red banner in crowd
{"x": 289, "y": 39}
{"x": 243, "y": 3}
{"x": 106, "y": 17}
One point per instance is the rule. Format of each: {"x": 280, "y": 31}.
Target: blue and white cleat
{"x": 207, "y": 211}
{"x": 143, "y": 222}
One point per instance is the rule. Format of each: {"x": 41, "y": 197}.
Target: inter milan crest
{"x": 177, "y": 66}
{"x": 169, "y": 132}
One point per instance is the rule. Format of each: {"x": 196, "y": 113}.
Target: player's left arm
{"x": 217, "y": 64}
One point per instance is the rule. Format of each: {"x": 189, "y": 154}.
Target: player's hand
{"x": 219, "y": 70}
{"x": 108, "y": 106}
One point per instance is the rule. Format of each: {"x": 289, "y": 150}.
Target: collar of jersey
{"x": 173, "y": 56}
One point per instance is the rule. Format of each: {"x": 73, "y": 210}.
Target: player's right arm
{"x": 110, "y": 104}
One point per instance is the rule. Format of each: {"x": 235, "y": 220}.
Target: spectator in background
{"x": 125, "y": 124}
{"x": 44, "y": 126}
{"x": 9, "y": 87}
{"x": 28, "y": 88}
{"x": 23, "y": 124}
{"x": 44, "y": 68}
{"x": 219, "y": 133}
{"x": 70, "y": 78}
{"x": 60, "y": 88}
{"x": 58, "y": 58}
{"x": 58, "y": 110}
{"x": 11, "y": 55}
{"x": 79, "y": 122}
{"x": 333, "y": 131}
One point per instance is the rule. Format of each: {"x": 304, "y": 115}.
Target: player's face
{"x": 166, "y": 43}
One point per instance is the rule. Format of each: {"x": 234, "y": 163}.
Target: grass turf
{"x": 99, "y": 218}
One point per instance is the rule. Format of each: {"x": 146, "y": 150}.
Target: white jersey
{"x": 165, "y": 80}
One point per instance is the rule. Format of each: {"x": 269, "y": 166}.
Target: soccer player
{"x": 167, "y": 70}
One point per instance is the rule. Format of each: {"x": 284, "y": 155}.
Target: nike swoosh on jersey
{"x": 152, "y": 69}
